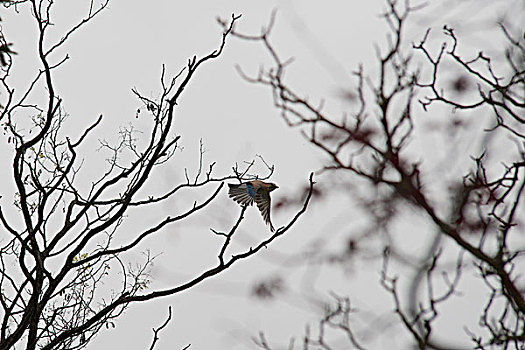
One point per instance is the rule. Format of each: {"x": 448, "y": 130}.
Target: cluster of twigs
{"x": 58, "y": 246}
{"x": 480, "y": 217}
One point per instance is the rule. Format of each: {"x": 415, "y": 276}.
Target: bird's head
{"x": 272, "y": 186}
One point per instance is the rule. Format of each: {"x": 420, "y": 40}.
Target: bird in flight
{"x": 258, "y": 191}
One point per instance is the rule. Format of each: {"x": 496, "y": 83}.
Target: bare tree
{"x": 475, "y": 214}
{"x": 66, "y": 238}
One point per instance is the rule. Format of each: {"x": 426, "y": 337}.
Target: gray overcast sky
{"x": 125, "y": 46}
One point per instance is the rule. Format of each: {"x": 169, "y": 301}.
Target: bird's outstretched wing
{"x": 244, "y": 194}
{"x": 264, "y": 203}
